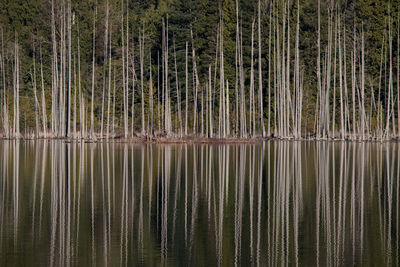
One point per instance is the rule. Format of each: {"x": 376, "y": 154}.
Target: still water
{"x": 264, "y": 204}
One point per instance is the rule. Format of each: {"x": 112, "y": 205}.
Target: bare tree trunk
{"x": 35, "y": 96}
{"x": 226, "y": 104}
{"x": 283, "y": 101}
{"x": 196, "y": 84}
{"x": 334, "y": 81}
{"x": 202, "y": 113}
{"x": 113, "y": 112}
{"x": 158, "y": 91}
{"x": 260, "y": 83}
{"x": 5, "y": 104}
{"x": 187, "y": 89}
{"x": 269, "y": 74}
{"x": 134, "y": 78}
{"x": 69, "y": 22}
{"x": 16, "y": 132}
{"x": 63, "y": 78}
{"x": 109, "y": 89}
{"x": 211, "y": 118}
{"x": 388, "y": 106}
{"x": 252, "y": 111}
{"x": 243, "y": 127}
{"x": 167, "y": 106}
{"x": 54, "y": 73}
{"x": 104, "y": 71}
{"x": 319, "y": 58}
{"x": 82, "y": 125}
{"x": 151, "y": 130}
{"x": 342, "y": 122}
{"x": 125, "y": 104}
{"x": 126, "y": 113}
{"x": 288, "y": 95}
{"x": 178, "y": 95}
{"x": 328, "y": 75}
{"x": 227, "y": 109}
{"x": 398, "y": 78}
{"x": 298, "y": 84}
{"x": 141, "y": 48}
{"x": 363, "y": 119}
{"x": 75, "y": 111}
{"x": 379, "y": 114}
{"x": 237, "y": 71}
{"x": 93, "y": 70}
{"x": 353, "y": 82}
{"x": 346, "y": 96}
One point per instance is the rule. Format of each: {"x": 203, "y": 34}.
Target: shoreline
{"x": 199, "y": 140}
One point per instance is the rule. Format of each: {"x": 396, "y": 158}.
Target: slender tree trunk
{"x": 298, "y": 84}
{"x": 269, "y": 74}
{"x": 35, "y": 96}
{"x": 125, "y": 104}
{"x": 75, "y": 111}
{"x": 134, "y": 78}
{"x": 16, "y": 131}
{"x": 167, "y": 106}
{"x": 196, "y": 84}
{"x": 237, "y": 56}
{"x": 260, "y": 82}
{"x": 398, "y": 77}
{"x": 388, "y": 106}
{"x": 109, "y": 89}
{"x": 141, "y": 48}
{"x": 82, "y": 125}
{"x": 5, "y": 103}
{"x": 92, "y": 136}
{"x": 353, "y": 82}
{"x": 113, "y": 112}
{"x": 151, "y": 130}
{"x": 178, "y": 95}
{"x": 342, "y": 122}
{"x": 54, "y": 73}
{"x": 243, "y": 127}
{"x": 104, "y": 71}
{"x": 288, "y": 95}
{"x": 319, "y": 57}
{"x": 69, "y": 22}
{"x": 126, "y": 113}
{"x": 187, "y": 89}
{"x": 334, "y": 81}
{"x": 252, "y": 111}
{"x": 363, "y": 117}
{"x": 210, "y": 103}
{"x": 346, "y": 96}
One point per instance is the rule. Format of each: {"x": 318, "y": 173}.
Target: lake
{"x": 263, "y": 204}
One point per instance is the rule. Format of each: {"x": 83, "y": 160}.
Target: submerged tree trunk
{"x": 109, "y": 90}
{"x": 104, "y": 71}
{"x": 260, "y": 82}
{"x": 33, "y": 76}
{"x": 187, "y": 89}
{"x": 141, "y": 48}
{"x": 16, "y": 131}
{"x": 92, "y": 135}
{"x": 6, "y": 125}
{"x": 151, "y": 119}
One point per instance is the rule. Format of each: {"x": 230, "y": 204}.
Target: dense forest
{"x": 195, "y": 68}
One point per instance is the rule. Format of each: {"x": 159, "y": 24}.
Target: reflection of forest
{"x": 269, "y": 203}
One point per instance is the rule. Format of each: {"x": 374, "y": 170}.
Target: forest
{"x": 225, "y": 69}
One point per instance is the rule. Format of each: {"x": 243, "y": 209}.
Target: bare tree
{"x": 92, "y": 136}
{"x": 105, "y": 70}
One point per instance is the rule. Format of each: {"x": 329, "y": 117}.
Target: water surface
{"x": 264, "y": 204}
